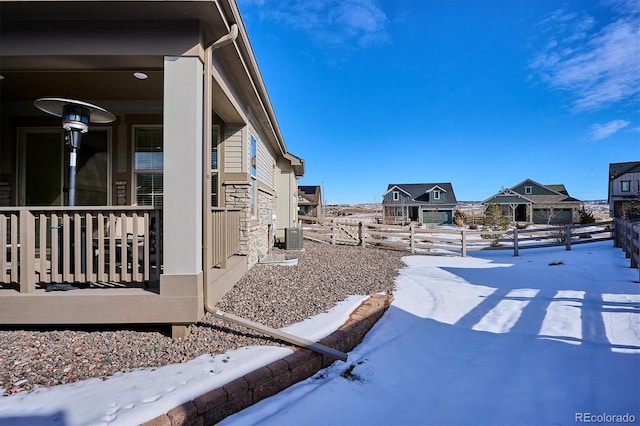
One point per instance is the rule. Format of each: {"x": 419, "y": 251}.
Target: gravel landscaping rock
{"x": 276, "y": 296}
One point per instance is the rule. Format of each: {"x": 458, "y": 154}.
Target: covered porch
{"x": 153, "y": 238}
{"x": 401, "y": 213}
{"x": 515, "y": 207}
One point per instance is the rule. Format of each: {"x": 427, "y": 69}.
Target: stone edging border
{"x": 213, "y": 406}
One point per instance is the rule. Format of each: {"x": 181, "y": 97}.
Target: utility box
{"x": 293, "y": 239}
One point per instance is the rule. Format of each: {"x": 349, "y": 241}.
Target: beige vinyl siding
{"x": 234, "y": 162}
{"x": 265, "y": 165}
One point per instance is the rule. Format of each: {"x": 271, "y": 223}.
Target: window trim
{"x": 396, "y": 195}
{"x": 528, "y": 190}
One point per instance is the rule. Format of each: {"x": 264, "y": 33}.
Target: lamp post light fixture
{"x": 76, "y": 116}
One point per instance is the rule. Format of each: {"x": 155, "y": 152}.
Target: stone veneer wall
{"x": 254, "y": 235}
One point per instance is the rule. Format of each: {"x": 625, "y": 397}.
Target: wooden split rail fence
{"x": 414, "y": 238}
{"x": 627, "y": 237}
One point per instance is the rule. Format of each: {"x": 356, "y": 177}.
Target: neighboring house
{"x": 175, "y": 198}
{"x": 532, "y": 202}
{"x": 310, "y": 200}
{"x": 624, "y": 190}
{"x": 433, "y": 203}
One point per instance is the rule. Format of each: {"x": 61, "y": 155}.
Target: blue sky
{"x": 480, "y": 93}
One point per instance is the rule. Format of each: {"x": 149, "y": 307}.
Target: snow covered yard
{"x": 551, "y": 337}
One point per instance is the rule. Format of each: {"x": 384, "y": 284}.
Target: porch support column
{"x": 183, "y": 176}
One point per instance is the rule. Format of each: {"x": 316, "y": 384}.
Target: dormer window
{"x": 396, "y": 195}
{"x": 436, "y": 195}
{"x": 528, "y": 190}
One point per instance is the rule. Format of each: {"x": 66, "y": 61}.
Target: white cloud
{"x": 598, "y": 65}
{"x": 603, "y": 131}
{"x": 333, "y": 22}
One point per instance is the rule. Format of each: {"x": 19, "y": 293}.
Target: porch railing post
{"x": 27, "y": 252}
{"x": 225, "y": 235}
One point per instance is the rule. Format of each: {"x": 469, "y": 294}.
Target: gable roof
{"x": 416, "y": 191}
{"x": 505, "y": 195}
{"x": 310, "y": 193}
{"x": 552, "y": 193}
{"x": 618, "y": 169}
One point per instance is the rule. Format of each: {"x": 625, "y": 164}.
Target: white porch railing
{"x": 47, "y": 245}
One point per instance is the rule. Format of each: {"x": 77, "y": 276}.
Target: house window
{"x": 148, "y": 160}
{"x": 436, "y": 195}
{"x": 254, "y": 159}
{"x": 215, "y": 140}
{"x": 396, "y": 195}
{"x": 528, "y": 190}
{"x": 253, "y": 192}
{"x": 625, "y": 185}
{"x": 44, "y": 167}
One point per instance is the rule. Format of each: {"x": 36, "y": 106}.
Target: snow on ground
{"x": 485, "y": 340}
{"x": 550, "y": 337}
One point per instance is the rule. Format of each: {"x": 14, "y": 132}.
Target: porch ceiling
{"x": 103, "y": 85}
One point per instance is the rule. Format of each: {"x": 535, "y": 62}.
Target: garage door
{"x": 558, "y": 217}
{"x": 436, "y": 217}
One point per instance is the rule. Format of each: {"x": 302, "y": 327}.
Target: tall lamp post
{"x": 76, "y": 116}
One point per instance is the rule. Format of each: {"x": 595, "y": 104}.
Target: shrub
{"x": 586, "y": 216}
{"x": 494, "y": 221}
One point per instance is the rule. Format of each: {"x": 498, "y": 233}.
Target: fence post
{"x": 515, "y": 242}
{"x": 635, "y": 235}
{"x": 360, "y": 235}
{"x": 567, "y": 237}
{"x": 638, "y": 254}
{"x": 333, "y": 231}
{"x": 412, "y": 235}
{"x": 627, "y": 239}
{"x": 464, "y": 242}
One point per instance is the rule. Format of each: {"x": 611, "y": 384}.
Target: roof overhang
{"x": 506, "y": 193}
{"x": 29, "y": 20}
{"x": 436, "y": 188}
{"x": 297, "y": 163}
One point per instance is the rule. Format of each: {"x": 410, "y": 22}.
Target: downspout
{"x": 227, "y": 38}
{"x": 298, "y": 341}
